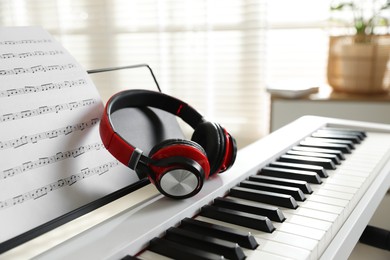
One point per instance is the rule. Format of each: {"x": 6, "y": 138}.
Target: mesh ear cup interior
{"x": 211, "y": 137}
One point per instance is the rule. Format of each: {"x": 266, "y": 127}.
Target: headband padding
{"x": 147, "y": 98}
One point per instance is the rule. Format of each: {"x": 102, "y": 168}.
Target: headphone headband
{"x": 125, "y": 152}
{"x": 147, "y": 98}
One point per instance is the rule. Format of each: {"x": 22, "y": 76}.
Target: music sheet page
{"x": 52, "y": 160}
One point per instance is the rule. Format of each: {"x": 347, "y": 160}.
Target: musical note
{"x": 31, "y": 41}
{"x": 18, "y": 199}
{"x": 24, "y": 55}
{"x": 35, "y": 69}
{"x": 7, "y": 56}
{"x": 60, "y": 156}
{"x": 46, "y": 109}
{"x": 34, "y": 138}
{"x": 36, "y": 194}
{"x": 67, "y": 181}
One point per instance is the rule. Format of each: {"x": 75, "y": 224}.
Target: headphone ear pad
{"x": 211, "y": 137}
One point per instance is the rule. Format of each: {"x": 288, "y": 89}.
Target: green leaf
{"x": 341, "y": 6}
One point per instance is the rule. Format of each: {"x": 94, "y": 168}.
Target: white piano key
{"x": 322, "y": 207}
{"x": 302, "y": 233}
{"x": 311, "y": 213}
{"x": 304, "y": 221}
{"x": 354, "y": 171}
{"x": 339, "y": 182}
{"x": 333, "y": 193}
{"x": 149, "y": 255}
{"x": 348, "y": 201}
{"x": 300, "y": 230}
{"x": 280, "y": 249}
{"x": 351, "y": 178}
{"x": 265, "y": 255}
{"x": 308, "y": 222}
{"x": 268, "y": 251}
{"x": 332, "y": 219}
{"x": 329, "y": 200}
{"x": 326, "y": 208}
{"x": 291, "y": 239}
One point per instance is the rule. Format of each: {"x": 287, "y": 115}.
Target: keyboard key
{"x": 206, "y": 243}
{"x": 239, "y": 218}
{"x": 355, "y": 139}
{"x": 299, "y": 166}
{"x": 360, "y": 134}
{"x": 339, "y": 154}
{"x": 257, "y": 208}
{"x": 244, "y": 239}
{"x": 326, "y": 163}
{"x": 348, "y": 143}
{"x": 302, "y": 185}
{"x": 332, "y": 157}
{"x": 150, "y": 255}
{"x": 296, "y": 193}
{"x": 264, "y": 196}
{"x": 310, "y": 177}
{"x": 129, "y": 257}
{"x": 287, "y": 248}
{"x": 340, "y": 147}
{"x": 178, "y": 251}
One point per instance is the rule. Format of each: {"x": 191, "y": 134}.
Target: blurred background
{"x": 217, "y": 55}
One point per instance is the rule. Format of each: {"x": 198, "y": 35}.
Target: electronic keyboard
{"x": 306, "y": 191}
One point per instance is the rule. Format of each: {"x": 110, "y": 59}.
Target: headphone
{"x": 177, "y": 167}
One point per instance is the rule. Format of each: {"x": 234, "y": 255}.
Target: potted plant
{"x": 358, "y": 60}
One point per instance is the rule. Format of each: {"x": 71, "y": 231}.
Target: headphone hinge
{"x": 135, "y": 158}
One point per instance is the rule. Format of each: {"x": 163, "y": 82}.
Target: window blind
{"x": 217, "y": 55}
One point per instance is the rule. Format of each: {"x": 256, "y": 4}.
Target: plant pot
{"x": 359, "y": 67}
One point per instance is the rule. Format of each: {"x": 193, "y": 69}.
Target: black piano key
{"x": 299, "y": 166}
{"x": 302, "y": 185}
{"x": 339, "y": 154}
{"x": 238, "y": 218}
{"x": 209, "y": 244}
{"x": 360, "y": 134}
{"x": 348, "y": 143}
{"x": 129, "y": 257}
{"x": 355, "y": 139}
{"x": 178, "y": 251}
{"x": 309, "y": 176}
{"x": 340, "y": 147}
{"x": 326, "y": 163}
{"x": 332, "y": 157}
{"x": 244, "y": 239}
{"x": 257, "y": 208}
{"x": 272, "y": 198}
{"x": 296, "y": 193}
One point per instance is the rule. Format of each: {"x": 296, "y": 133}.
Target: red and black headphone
{"x": 177, "y": 167}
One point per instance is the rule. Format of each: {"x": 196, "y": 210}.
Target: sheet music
{"x": 52, "y": 160}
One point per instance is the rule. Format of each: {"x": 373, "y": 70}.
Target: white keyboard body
{"x": 126, "y": 226}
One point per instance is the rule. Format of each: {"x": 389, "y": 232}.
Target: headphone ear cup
{"x": 170, "y": 142}
{"x": 179, "y": 167}
{"x": 211, "y": 137}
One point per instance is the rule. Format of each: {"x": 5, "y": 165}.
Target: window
{"x": 217, "y": 55}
